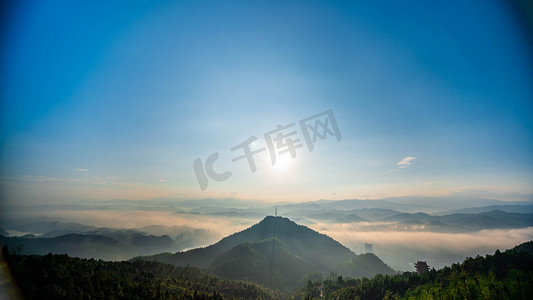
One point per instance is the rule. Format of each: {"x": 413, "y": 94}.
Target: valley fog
{"x": 399, "y": 244}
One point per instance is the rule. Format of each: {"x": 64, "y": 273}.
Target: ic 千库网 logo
{"x": 279, "y": 141}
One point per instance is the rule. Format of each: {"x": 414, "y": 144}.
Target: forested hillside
{"x": 507, "y": 275}
{"x": 62, "y": 277}
{"x": 504, "y": 275}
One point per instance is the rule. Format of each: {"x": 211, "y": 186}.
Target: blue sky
{"x": 116, "y": 100}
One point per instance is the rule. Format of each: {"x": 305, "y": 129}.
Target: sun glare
{"x": 283, "y": 164}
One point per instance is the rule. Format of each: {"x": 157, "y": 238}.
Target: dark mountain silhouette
{"x": 337, "y": 217}
{"x": 53, "y": 229}
{"x": 365, "y": 265}
{"x": 510, "y": 208}
{"x": 495, "y": 219}
{"x": 374, "y": 214}
{"x": 103, "y": 243}
{"x": 301, "y": 239}
{"x": 524, "y": 247}
{"x": 3, "y": 232}
{"x": 409, "y": 217}
{"x": 83, "y": 246}
{"x": 490, "y": 220}
{"x": 276, "y": 252}
{"x": 91, "y": 245}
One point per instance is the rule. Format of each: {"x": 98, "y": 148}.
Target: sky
{"x": 117, "y": 100}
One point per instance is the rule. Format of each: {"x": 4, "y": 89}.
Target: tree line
{"x": 507, "y": 275}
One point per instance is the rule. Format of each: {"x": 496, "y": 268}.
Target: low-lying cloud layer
{"x": 402, "y": 248}
{"x": 398, "y": 245}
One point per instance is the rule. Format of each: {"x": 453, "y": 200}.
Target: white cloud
{"x": 405, "y": 162}
{"x": 82, "y": 170}
{"x": 163, "y": 180}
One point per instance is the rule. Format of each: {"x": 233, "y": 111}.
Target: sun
{"x": 284, "y": 163}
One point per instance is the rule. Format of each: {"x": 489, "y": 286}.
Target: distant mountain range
{"x": 276, "y": 252}
{"x": 495, "y": 219}
{"x": 77, "y": 245}
{"x": 86, "y": 241}
{"x": 523, "y": 209}
{"x": 438, "y": 213}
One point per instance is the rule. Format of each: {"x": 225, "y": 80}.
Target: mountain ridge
{"x": 275, "y": 252}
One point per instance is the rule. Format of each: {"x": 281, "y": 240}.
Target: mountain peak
{"x": 278, "y": 220}
{"x": 268, "y": 248}
{"x": 275, "y": 218}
